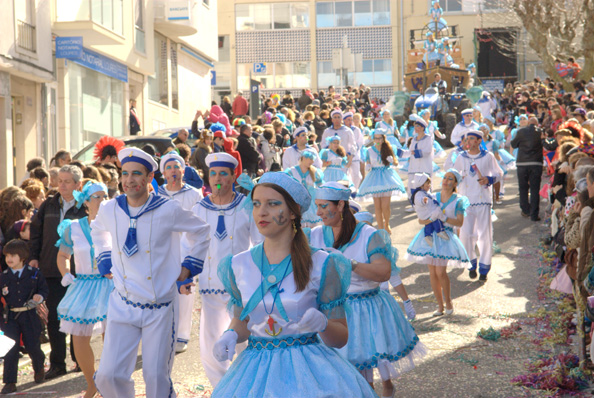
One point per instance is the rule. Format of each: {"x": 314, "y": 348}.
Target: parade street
{"x": 459, "y": 363}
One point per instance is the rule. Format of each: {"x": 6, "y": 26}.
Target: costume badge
{"x": 5, "y": 290}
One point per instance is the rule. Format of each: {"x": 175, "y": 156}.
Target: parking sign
{"x": 260, "y": 68}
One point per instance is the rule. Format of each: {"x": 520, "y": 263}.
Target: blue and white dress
{"x": 83, "y": 310}
{"x": 378, "y": 329}
{"x": 382, "y": 180}
{"x": 442, "y": 252}
{"x": 310, "y": 216}
{"x": 337, "y": 169}
{"x": 282, "y": 361}
{"x": 507, "y": 161}
{"x": 392, "y": 133}
{"x": 438, "y": 151}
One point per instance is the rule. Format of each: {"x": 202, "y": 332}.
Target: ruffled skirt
{"x": 300, "y": 370}
{"x": 378, "y": 330}
{"x": 381, "y": 181}
{"x": 83, "y": 309}
{"x": 333, "y": 173}
{"x": 443, "y": 252}
{"x": 438, "y": 151}
{"x": 508, "y": 162}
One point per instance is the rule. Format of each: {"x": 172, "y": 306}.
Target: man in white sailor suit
{"x": 232, "y": 231}
{"x": 355, "y": 169}
{"x": 458, "y": 135}
{"x": 137, "y": 240}
{"x": 293, "y": 153}
{"x": 479, "y": 170}
{"x": 172, "y": 168}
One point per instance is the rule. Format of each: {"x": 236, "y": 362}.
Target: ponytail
{"x": 301, "y": 257}
{"x": 385, "y": 151}
{"x": 340, "y": 151}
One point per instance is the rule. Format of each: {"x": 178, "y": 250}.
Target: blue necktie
{"x": 221, "y": 232}
{"x": 131, "y": 245}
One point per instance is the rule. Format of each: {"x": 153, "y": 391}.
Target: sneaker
{"x": 449, "y": 312}
{"x": 429, "y": 240}
{"x": 409, "y": 209}
{"x": 472, "y": 274}
{"x": 443, "y": 235}
{"x": 483, "y": 278}
{"x": 180, "y": 347}
{"x": 498, "y": 201}
{"x": 410, "y": 310}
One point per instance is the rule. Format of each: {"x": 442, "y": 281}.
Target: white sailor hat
{"x": 474, "y": 133}
{"x": 467, "y": 111}
{"x": 347, "y": 114}
{"x": 171, "y": 157}
{"x": 419, "y": 179}
{"x": 421, "y": 121}
{"x": 333, "y": 191}
{"x": 355, "y": 207}
{"x": 221, "y": 159}
{"x": 300, "y": 130}
{"x": 336, "y": 112}
{"x": 138, "y": 156}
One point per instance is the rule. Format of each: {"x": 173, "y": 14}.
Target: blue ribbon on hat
{"x": 153, "y": 202}
{"x": 89, "y": 189}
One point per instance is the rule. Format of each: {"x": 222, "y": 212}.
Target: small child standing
{"x": 427, "y": 207}
{"x": 23, "y": 288}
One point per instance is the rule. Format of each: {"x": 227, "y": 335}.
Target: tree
{"x": 558, "y": 29}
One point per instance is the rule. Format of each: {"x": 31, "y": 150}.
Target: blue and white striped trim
{"x": 212, "y": 291}
{"x": 104, "y": 263}
{"x": 481, "y": 204}
{"x": 193, "y": 264}
{"x": 145, "y": 306}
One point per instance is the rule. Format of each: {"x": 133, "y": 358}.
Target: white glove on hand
{"x": 442, "y": 216}
{"x": 312, "y": 321}
{"x": 390, "y": 159}
{"x": 224, "y": 348}
{"x": 67, "y": 279}
{"x": 436, "y": 214}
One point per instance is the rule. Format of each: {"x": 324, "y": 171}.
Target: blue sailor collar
{"x": 163, "y": 192}
{"x": 481, "y": 154}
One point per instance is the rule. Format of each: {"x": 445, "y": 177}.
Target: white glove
{"x": 390, "y": 159}
{"x": 442, "y": 217}
{"x": 337, "y": 161}
{"x": 312, "y": 321}
{"x": 436, "y": 214}
{"x": 224, "y": 348}
{"x": 367, "y": 167}
{"x": 67, "y": 279}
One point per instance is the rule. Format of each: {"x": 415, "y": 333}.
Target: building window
{"x": 139, "y": 41}
{"x": 24, "y": 12}
{"x": 108, "y": 13}
{"x": 450, "y": 5}
{"x": 224, "y": 49}
{"x": 278, "y": 75}
{"x": 174, "y": 80}
{"x": 352, "y": 13}
{"x": 268, "y": 16}
{"x": 159, "y": 83}
{"x": 326, "y": 75}
{"x": 376, "y": 72}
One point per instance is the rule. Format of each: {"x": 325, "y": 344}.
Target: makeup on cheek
{"x": 331, "y": 214}
{"x": 281, "y": 219}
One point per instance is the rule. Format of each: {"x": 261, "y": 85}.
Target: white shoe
{"x": 409, "y": 209}
{"x": 443, "y": 235}
{"x": 429, "y": 240}
{"x": 449, "y": 312}
{"x": 410, "y": 310}
{"x": 437, "y": 313}
{"x": 180, "y": 347}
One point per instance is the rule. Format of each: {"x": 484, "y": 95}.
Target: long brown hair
{"x": 300, "y": 250}
{"x": 348, "y": 225}
{"x": 340, "y": 150}
{"x": 385, "y": 151}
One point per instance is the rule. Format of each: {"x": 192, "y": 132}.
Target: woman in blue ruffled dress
{"x": 285, "y": 296}
{"x": 443, "y": 253}
{"x": 436, "y": 20}
{"x": 335, "y": 161}
{"x": 433, "y": 131}
{"x": 381, "y": 180}
{"x": 379, "y": 334}
{"x": 83, "y": 309}
{"x": 389, "y": 124}
{"x": 311, "y": 178}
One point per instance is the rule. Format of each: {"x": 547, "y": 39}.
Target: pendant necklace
{"x": 272, "y": 279}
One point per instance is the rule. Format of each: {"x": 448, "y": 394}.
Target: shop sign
{"x": 69, "y": 47}
{"x": 103, "y": 64}
{"x": 178, "y": 10}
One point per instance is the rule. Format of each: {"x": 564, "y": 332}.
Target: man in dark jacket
{"x": 43, "y": 254}
{"x": 304, "y": 100}
{"x": 246, "y": 146}
{"x": 529, "y": 167}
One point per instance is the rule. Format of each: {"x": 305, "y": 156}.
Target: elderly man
{"x": 182, "y": 137}
{"x": 137, "y": 243}
{"x": 44, "y": 253}
{"x": 235, "y": 232}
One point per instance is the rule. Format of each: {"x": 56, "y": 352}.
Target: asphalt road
{"x": 459, "y": 364}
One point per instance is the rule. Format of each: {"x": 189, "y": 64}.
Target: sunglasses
{"x": 97, "y": 196}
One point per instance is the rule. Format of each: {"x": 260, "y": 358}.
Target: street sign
{"x": 260, "y": 68}
{"x": 213, "y": 78}
{"x": 254, "y": 98}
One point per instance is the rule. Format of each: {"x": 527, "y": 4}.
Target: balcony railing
{"x": 27, "y": 37}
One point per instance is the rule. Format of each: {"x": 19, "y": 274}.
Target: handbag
{"x": 562, "y": 282}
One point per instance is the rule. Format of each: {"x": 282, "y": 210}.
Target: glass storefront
{"x": 96, "y": 106}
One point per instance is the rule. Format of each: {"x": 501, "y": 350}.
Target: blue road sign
{"x": 260, "y": 67}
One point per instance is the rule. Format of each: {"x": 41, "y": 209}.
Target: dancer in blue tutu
{"x": 285, "y": 296}
{"x": 389, "y": 124}
{"x": 377, "y": 327}
{"x": 335, "y": 161}
{"x": 437, "y": 22}
{"x": 83, "y": 309}
{"x": 311, "y": 178}
{"x": 381, "y": 181}
{"x": 443, "y": 253}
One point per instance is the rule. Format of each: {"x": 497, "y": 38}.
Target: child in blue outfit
{"x": 427, "y": 207}
{"x": 23, "y": 288}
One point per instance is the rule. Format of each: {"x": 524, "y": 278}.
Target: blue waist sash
{"x": 363, "y": 295}
{"x": 263, "y": 343}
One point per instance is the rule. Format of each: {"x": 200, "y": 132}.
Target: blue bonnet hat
{"x": 333, "y": 191}
{"x": 89, "y": 189}
{"x": 456, "y": 174}
{"x": 364, "y": 216}
{"x": 297, "y": 191}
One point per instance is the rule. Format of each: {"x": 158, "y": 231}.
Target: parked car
{"x": 85, "y": 155}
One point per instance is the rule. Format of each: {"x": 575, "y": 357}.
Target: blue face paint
{"x": 256, "y": 203}
{"x": 324, "y": 206}
{"x": 137, "y": 173}
{"x": 275, "y": 203}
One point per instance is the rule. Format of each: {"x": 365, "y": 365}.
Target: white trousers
{"x": 184, "y": 321}
{"x": 214, "y": 320}
{"x": 477, "y": 231}
{"x": 126, "y": 326}
{"x": 355, "y": 173}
